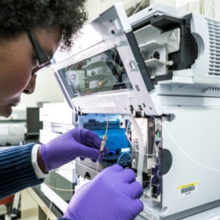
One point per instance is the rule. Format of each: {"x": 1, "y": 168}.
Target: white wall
{"x": 47, "y": 90}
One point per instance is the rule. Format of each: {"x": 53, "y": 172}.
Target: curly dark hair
{"x": 70, "y": 15}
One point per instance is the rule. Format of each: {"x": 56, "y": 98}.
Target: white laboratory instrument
{"x": 58, "y": 118}
{"x": 160, "y": 69}
{"x": 55, "y": 123}
{"x": 12, "y": 129}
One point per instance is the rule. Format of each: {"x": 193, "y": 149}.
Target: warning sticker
{"x": 187, "y": 189}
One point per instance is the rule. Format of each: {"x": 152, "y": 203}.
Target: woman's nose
{"x": 31, "y": 86}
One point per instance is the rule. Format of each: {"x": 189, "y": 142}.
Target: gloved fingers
{"x": 129, "y": 175}
{"x": 101, "y": 156}
{"x": 115, "y": 167}
{"x": 136, "y": 207}
{"x": 89, "y": 143}
{"x": 82, "y": 136}
{"x": 94, "y": 141}
{"x": 82, "y": 187}
{"x": 135, "y": 190}
{"x": 87, "y": 152}
{"x": 106, "y": 150}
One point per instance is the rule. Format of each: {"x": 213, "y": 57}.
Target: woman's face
{"x": 17, "y": 59}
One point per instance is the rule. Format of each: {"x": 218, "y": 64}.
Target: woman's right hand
{"x": 113, "y": 194}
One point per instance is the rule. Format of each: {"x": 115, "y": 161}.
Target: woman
{"x": 30, "y": 33}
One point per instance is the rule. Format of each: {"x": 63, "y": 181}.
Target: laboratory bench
{"x": 35, "y": 206}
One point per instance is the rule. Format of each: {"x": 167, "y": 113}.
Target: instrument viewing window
{"x": 100, "y": 73}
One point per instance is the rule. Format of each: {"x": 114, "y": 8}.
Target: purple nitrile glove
{"x": 74, "y": 143}
{"x": 111, "y": 195}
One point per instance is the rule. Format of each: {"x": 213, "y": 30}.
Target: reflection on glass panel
{"x": 100, "y": 73}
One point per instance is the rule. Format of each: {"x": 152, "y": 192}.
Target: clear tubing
{"x": 138, "y": 7}
{"x": 212, "y": 4}
{"x": 97, "y": 164}
{"x": 122, "y": 155}
{"x": 207, "y": 8}
{"x": 49, "y": 211}
{"x": 106, "y": 130}
{"x": 104, "y": 138}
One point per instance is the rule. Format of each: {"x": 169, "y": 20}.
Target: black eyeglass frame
{"x": 41, "y": 56}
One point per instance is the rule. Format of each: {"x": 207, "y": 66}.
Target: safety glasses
{"x": 42, "y": 58}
